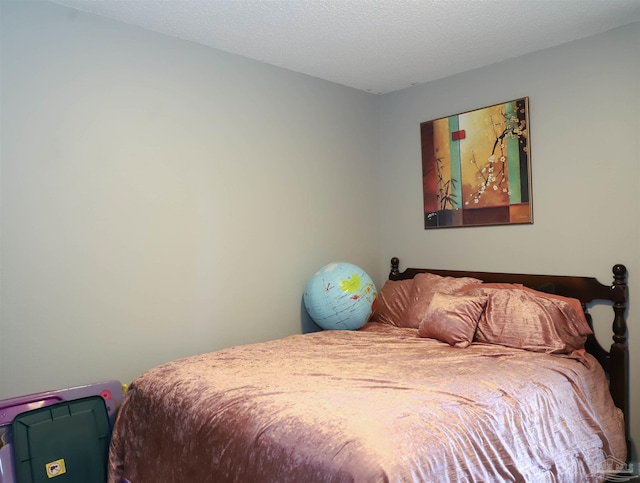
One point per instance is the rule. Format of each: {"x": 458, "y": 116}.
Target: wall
{"x": 161, "y": 199}
{"x": 584, "y": 100}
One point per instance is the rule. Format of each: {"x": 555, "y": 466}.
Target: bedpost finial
{"x": 619, "y": 272}
{"x": 395, "y": 267}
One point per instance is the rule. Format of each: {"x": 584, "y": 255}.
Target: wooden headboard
{"x": 615, "y": 361}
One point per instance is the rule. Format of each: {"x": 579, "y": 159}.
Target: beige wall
{"x": 584, "y": 100}
{"x": 161, "y": 199}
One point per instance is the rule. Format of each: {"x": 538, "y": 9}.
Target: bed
{"x": 419, "y": 393}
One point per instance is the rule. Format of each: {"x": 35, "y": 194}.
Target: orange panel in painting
{"x": 484, "y": 175}
{"x": 519, "y": 213}
{"x": 429, "y": 179}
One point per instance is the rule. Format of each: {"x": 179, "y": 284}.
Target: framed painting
{"x": 476, "y": 167}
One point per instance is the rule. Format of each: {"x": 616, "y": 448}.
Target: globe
{"x": 340, "y": 296}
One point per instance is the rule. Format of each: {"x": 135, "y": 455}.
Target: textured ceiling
{"x": 374, "y": 45}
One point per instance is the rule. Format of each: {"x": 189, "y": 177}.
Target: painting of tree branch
{"x": 476, "y": 168}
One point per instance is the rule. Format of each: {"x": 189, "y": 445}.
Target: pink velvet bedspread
{"x": 379, "y": 404}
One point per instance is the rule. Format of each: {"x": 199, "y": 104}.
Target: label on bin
{"x": 56, "y": 468}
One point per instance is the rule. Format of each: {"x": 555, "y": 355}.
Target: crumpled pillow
{"x": 527, "y": 319}
{"x": 425, "y": 285}
{"x": 392, "y": 301}
{"x": 452, "y": 318}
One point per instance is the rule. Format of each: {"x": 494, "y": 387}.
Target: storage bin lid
{"x": 62, "y": 443}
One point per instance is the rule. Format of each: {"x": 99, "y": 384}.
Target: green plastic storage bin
{"x": 63, "y": 443}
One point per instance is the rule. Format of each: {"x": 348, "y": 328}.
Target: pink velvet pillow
{"x": 575, "y": 304}
{"x": 425, "y": 285}
{"x": 392, "y": 301}
{"x": 452, "y": 318}
{"x": 526, "y": 319}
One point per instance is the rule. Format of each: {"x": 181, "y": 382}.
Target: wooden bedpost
{"x": 619, "y": 352}
{"x": 395, "y": 268}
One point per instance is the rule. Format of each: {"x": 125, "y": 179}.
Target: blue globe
{"x": 340, "y": 296}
